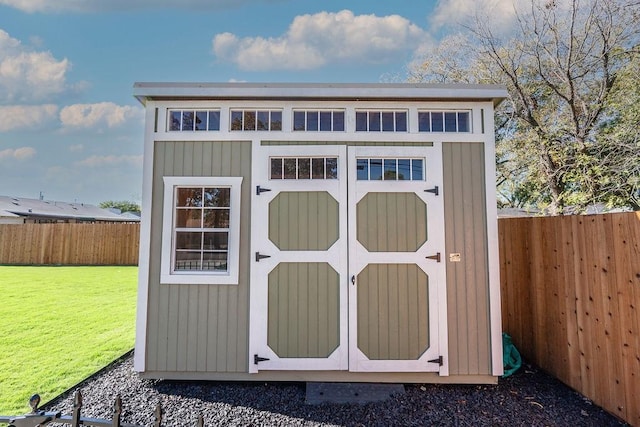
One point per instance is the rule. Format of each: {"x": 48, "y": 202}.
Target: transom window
{"x": 201, "y": 230}
{"x": 304, "y": 168}
{"x": 444, "y": 121}
{"x": 194, "y": 120}
{"x": 256, "y": 120}
{"x": 389, "y": 169}
{"x": 324, "y": 121}
{"x": 381, "y": 121}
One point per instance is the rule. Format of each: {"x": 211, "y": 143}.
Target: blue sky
{"x": 69, "y": 126}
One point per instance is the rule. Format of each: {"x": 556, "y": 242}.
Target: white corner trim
{"x": 139, "y": 357}
{"x": 495, "y": 310}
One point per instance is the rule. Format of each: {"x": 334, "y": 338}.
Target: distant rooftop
{"x": 47, "y": 209}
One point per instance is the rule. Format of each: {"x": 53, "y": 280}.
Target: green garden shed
{"x": 319, "y": 232}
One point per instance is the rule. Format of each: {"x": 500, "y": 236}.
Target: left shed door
{"x": 299, "y": 259}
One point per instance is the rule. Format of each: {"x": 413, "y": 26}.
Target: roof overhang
{"x": 7, "y": 214}
{"x": 149, "y": 91}
{"x": 48, "y": 215}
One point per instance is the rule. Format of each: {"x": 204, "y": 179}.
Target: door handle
{"x": 353, "y": 280}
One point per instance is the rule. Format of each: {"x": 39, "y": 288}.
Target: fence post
{"x": 158, "y": 415}
{"x": 117, "y": 410}
{"x": 77, "y": 407}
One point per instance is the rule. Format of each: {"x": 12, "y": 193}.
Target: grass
{"x": 59, "y": 325}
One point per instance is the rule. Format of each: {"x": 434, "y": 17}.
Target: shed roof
{"x": 35, "y": 208}
{"x": 145, "y": 91}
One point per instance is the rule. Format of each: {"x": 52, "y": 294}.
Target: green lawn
{"x": 58, "y": 325}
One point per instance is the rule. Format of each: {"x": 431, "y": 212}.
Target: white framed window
{"x": 193, "y": 120}
{"x": 201, "y": 230}
{"x": 303, "y": 168}
{"x": 381, "y": 121}
{"x": 389, "y": 169}
{"x": 258, "y": 120}
{"x": 318, "y": 120}
{"x": 444, "y": 121}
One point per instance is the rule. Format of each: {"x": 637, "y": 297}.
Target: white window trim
{"x": 194, "y": 111}
{"x": 383, "y": 110}
{"x": 230, "y": 277}
{"x": 470, "y": 124}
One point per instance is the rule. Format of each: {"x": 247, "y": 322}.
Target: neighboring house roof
{"x": 517, "y": 212}
{"x": 597, "y": 208}
{"x": 144, "y": 91}
{"x": 46, "y": 209}
{"x": 131, "y": 215}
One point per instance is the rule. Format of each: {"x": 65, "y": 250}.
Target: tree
{"x": 620, "y": 183}
{"x": 124, "y": 206}
{"x": 557, "y": 132}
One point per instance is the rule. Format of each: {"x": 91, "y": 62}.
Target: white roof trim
{"x": 144, "y": 91}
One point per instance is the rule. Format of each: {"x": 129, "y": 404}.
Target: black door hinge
{"x": 257, "y": 359}
{"x": 259, "y": 256}
{"x": 439, "y": 361}
{"x": 433, "y": 190}
{"x": 260, "y": 190}
{"x": 435, "y": 257}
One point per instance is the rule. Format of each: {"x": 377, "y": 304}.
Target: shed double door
{"x": 346, "y": 270}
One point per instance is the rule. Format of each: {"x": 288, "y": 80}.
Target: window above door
{"x": 303, "y": 168}
{"x": 389, "y": 169}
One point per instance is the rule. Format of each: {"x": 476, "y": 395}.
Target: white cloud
{"x": 27, "y": 75}
{"x": 32, "y": 6}
{"x": 111, "y": 160}
{"x": 22, "y": 153}
{"x": 103, "y": 114}
{"x": 316, "y": 40}
{"x": 76, "y": 148}
{"x": 26, "y": 116}
{"x": 499, "y": 14}
{"x": 455, "y": 12}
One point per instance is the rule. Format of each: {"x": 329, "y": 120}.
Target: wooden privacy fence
{"x": 571, "y": 302}
{"x": 69, "y": 244}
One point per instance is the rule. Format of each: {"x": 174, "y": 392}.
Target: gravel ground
{"x": 527, "y": 398}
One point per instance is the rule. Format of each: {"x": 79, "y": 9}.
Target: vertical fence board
{"x": 69, "y": 244}
{"x": 568, "y": 272}
{"x": 571, "y": 298}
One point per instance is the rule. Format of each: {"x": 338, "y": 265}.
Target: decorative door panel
{"x": 397, "y": 300}
{"x": 299, "y": 274}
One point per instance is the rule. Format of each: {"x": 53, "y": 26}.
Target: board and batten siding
{"x": 393, "y": 312}
{"x": 467, "y": 280}
{"x": 198, "y": 328}
{"x": 304, "y": 317}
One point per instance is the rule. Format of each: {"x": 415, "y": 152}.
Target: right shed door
{"x": 397, "y": 294}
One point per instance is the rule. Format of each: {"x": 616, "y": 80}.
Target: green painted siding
{"x": 303, "y": 221}
{"x": 467, "y": 280}
{"x": 303, "y": 310}
{"x": 199, "y": 328}
{"x": 391, "y": 222}
{"x": 393, "y": 311}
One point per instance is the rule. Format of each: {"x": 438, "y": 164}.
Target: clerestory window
{"x": 256, "y": 120}
{"x": 318, "y": 120}
{"x": 444, "y": 121}
{"x": 381, "y": 121}
{"x": 194, "y": 120}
